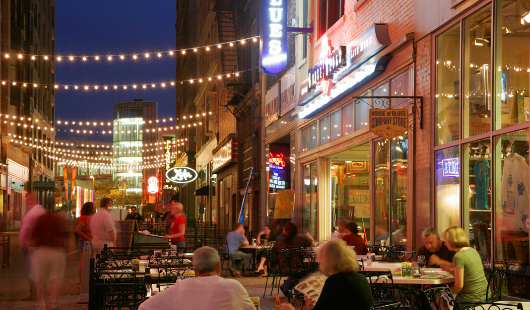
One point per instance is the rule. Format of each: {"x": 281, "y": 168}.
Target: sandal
{"x": 232, "y": 271}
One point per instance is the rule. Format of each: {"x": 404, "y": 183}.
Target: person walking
{"x": 83, "y": 231}
{"x": 178, "y": 227}
{"x": 34, "y": 211}
{"x": 102, "y": 227}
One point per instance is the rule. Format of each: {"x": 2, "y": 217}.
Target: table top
{"x": 255, "y": 247}
{"x": 422, "y": 281}
{"x": 381, "y": 266}
{"x": 365, "y": 257}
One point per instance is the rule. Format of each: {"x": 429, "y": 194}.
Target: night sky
{"x": 112, "y": 27}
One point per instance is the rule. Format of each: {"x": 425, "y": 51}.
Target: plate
{"x": 431, "y": 277}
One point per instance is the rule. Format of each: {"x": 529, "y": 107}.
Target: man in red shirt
{"x": 49, "y": 237}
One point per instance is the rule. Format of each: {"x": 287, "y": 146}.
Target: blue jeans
{"x": 239, "y": 259}
{"x": 180, "y": 246}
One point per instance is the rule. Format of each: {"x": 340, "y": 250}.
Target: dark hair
{"x": 291, "y": 230}
{"x": 104, "y": 202}
{"x": 87, "y": 208}
{"x": 236, "y": 226}
{"x": 133, "y": 208}
{"x": 352, "y": 227}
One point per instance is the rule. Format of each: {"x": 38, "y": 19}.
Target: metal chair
{"x": 382, "y": 286}
{"x": 496, "y": 278}
{"x": 439, "y": 298}
{"x": 488, "y": 306}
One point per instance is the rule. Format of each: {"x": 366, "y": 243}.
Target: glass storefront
{"x": 481, "y": 177}
{"x": 309, "y": 200}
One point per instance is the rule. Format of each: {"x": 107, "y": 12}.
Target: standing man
{"x": 234, "y": 240}
{"x": 102, "y": 227}
{"x": 49, "y": 239}
{"x": 135, "y": 216}
{"x": 24, "y": 239}
{"x": 437, "y": 255}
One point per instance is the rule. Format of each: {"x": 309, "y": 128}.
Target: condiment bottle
{"x": 277, "y": 302}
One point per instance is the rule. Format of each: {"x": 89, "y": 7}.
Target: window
{"x": 305, "y": 13}
{"x": 347, "y": 119}
{"x": 447, "y": 188}
{"x": 329, "y": 13}
{"x": 304, "y": 144}
{"x": 313, "y": 135}
{"x": 324, "y": 130}
{"x": 335, "y": 125}
{"x": 309, "y": 210}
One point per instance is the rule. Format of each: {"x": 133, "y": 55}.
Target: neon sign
{"x": 181, "y": 175}
{"x": 276, "y": 162}
{"x": 451, "y": 167}
{"x": 326, "y": 86}
{"x": 330, "y": 61}
{"x": 168, "y": 153}
{"x": 274, "y": 44}
{"x": 152, "y": 186}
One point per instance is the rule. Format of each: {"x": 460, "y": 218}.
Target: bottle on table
{"x": 277, "y": 302}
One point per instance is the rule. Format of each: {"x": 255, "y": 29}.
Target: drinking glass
{"x": 421, "y": 261}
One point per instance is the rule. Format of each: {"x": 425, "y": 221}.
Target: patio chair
{"x": 495, "y": 281}
{"x": 438, "y": 298}
{"x": 382, "y": 286}
{"x": 488, "y": 306}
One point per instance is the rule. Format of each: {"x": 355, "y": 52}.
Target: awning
{"x": 203, "y": 191}
{"x": 44, "y": 186}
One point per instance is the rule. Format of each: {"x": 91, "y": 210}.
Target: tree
{"x": 117, "y": 191}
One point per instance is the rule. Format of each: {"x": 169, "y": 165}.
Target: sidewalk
{"x": 14, "y": 286}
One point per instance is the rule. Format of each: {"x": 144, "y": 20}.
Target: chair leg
{"x": 265, "y": 290}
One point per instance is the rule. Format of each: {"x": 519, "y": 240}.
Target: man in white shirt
{"x": 34, "y": 211}
{"x": 102, "y": 227}
{"x": 206, "y": 291}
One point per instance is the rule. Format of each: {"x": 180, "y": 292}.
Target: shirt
{"x": 356, "y": 241}
{"x": 28, "y": 223}
{"x": 443, "y": 253}
{"x": 345, "y": 291}
{"x": 86, "y": 229}
{"x": 50, "y": 231}
{"x": 514, "y": 195}
{"x": 136, "y": 217}
{"x": 475, "y": 283}
{"x": 295, "y": 242}
{"x": 482, "y": 183}
{"x": 175, "y": 228}
{"x": 201, "y": 293}
{"x": 100, "y": 224}
{"x": 234, "y": 239}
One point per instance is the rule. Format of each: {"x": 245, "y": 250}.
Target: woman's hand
{"x": 167, "y": 236}
{"x": 309, "y": 302}
{"x": 261, "y": 233}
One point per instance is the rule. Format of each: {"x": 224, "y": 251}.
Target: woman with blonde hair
{"x": 344, "y": 288}
{"x": 178, "y": 227}
{"x": 470, "y": 281}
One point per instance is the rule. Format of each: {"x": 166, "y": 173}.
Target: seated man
{"x": 437, "y": 255}
{"x": 206, "y": 291}
{"x": 234, "y": 240}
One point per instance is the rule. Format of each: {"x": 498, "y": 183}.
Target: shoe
{"x": 232, "y": 272}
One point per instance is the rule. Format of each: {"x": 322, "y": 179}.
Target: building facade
{"x": 28, "y": 28}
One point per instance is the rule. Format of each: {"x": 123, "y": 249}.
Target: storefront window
{"x": 400, "y": 86}
{"x": 512, "y": 44}
{"x": 313, "y": 135}
{"x": 347, "y": 119}
{"x": 324, "y": 130}
{"x": 511, "y": 209}
{"x": 304, "y": 143}
{"x": 476, "y": 66}
{"x": 381, "y": 190}
{"x": 447, "y": 188}
{"x": 309, "y": 210}
{"x": 362, "y": 107}
{"x": 399, "y": 149}
{"x": 447, "y": 86}
{"x": 350, "y": 188}
{"x": 335, "y": 125}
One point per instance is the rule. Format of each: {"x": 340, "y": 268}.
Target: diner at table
{"x": 264, "y": 238}
{"x": 234, "y": 240}
{"x": 436, "y": 253}
{"x": 352, "y": 238}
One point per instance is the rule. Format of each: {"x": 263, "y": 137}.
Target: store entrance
{"x": 350, "y": 188}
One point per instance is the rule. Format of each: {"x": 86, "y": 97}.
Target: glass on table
{"x": 421, "y": 261}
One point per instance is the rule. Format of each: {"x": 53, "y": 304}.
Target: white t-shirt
{"x": 100, "y": 224}
{"x": 201, "y": 293}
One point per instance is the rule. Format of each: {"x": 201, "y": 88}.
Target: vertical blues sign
{"x": 274, "y": 36}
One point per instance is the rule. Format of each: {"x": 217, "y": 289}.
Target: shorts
{"x": 47, "y": 264}
{"x": 81, "y": 244}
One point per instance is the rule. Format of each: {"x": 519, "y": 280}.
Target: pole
{"x": 241, "y": 213}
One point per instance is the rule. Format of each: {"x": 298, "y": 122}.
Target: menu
{"x": 124, "y": 231}
{"x": 312, "y": 285}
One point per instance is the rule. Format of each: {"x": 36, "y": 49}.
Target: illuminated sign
{"x": 181, "y": 175}
{"x": 225, "y": 154}
{"x": 274, "y": 36}
{"x": 276, "y": 180}
{"x": 168, "y": 153}
{"x": 152, "y": 186}
{"x": 389, "y": 123}
{"x": 279, "y": 169}
{"x": 330, "y": 61}
{"x": 451, "y": 167}
{"x": 276, "y": 162}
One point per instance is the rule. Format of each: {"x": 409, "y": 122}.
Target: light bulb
{"x": 231, "y": 44}
{"x": 134, "y": 86}
{"x": 254, "y": 39}
{"x": 134, "y": 56}
{"x": 109, "y": 58}
{"x": 159, "y": 55}
{"x": 145, "y": 86}
{"x": 200, "y": 80}
{"x": 20, "y": 56}
{"x": 171, "y": 53}
{"x": 66, "y": 87}
{"x": 219, "y": 45}
{"x": 24, "y": 85}
{"x": 207, "y": 48}
{"x": 45, "y": 57}
{"x": 237, "y": 73}
{"x": 124, "y": 87}
{"x": 7, "y": 55}
{"x": 172, "y": 83}
{"x": 97, "y": 57}
{"x": 56, "y": 86}
{"x": 146, "y": 55}
{"x": 76, "y": 87}
{"x": 86, "y": 87}
{"x": 32, "y": 57}
{"x": 71, "y": 58}
{"x": 153, "y": 85}
{"x": 195, "y": 50}
{"x": 122, "y": 57}
{"x": 163, "y": 85}
{"x": 115, "y": 87}
{"x": 219, "y": 77}
{"x": 105, "y": 87}
{"x": 84, "y": 58}
{"x": 183, "y": 52}
{"x": 228, "y": 75}
{"x": 59, "y": 58}
{"x": 242, "y": 41}
{"x": 96, "y": 87}
{"x": 209, "y": 79}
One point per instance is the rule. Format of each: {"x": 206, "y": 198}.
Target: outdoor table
{"x": 253, "y": 250}
{"x": 382, "y": 266}
{"x": 365, "y": 257}
{"x": 422, "y": 281}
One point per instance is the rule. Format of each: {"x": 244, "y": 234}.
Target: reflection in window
{"x": 447, "y": 188}
{"x": 476, "y": 66}
{"x": 304, "y": 143}
{"x": 335, "y": 125}
{"x": 446, "y": 123}
{"x": 399, "y": 149}
{"x": 381, "y": 190}
{"x": 400, "y": 86}
{"x": 362, "y": 107}
{"x": 324, "y": 130}
{"x": 511, "y": 204}
{"x": 347, "y": 119}
{"x": 512, "y": 63}
{"x": 309, "y": 203}
{"x": 313, "y": 135}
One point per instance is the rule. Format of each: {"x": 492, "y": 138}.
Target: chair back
{"x": 439, "y": 298}
{"x": 495, "y": 281}
{"x": 381, "y": 284}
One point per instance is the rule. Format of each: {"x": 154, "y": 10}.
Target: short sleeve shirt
{"x": 86, "y": 229}
{"x": 234, "y": 239}
{"x": 100, "y": 224}
{"x": 475, "y": 283}
{"x": 175, "y": 228}
{"x": 443, "y": 253}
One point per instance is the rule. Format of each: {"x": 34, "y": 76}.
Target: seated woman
{"x": 353, "y": 239}
{"x": 264, "y": 255}
{"x": 345, "y": 288}
{"x": 470, "y": 280}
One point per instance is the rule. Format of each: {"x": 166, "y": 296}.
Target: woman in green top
{"x": 470, "y": 280}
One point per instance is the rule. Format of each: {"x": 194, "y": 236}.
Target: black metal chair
{"x": 382, "y": 286}
{"x": 488, "y": 306}
{"x": 438, "y": 298}
{"x": 495, "y": 281}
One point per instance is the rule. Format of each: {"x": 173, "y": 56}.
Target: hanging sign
{"x": 181, "y": 175}
{"x": 152, "y": 186}
{"x": 389, "y": 123}
{"x": 274, "y": 36}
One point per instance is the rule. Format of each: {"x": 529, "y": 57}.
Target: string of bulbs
{"x": 107, "y": 123}
{"x": 125, "y": 166}
{"x": 135, "y": 56}
{"x": 128, "y": 86}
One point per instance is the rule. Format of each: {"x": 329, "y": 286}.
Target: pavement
{"x": 14, "y": 286}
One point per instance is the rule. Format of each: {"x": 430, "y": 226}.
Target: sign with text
{"x": 181, "y": 175}
{"x": 272, "y": 104}
{"x": 279, "y": 168}
{"x": 274, "y": 36}
{"x": 152, "y": 185}
{"x": 225, "y": 154}
{"x": 389, "y": 123}
{"x": 451, "y": 167}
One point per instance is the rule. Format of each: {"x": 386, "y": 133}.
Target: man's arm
{"x": 244, "y": 242}
{"x": 445, "y": 265}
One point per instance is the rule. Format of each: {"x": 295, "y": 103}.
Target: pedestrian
{"x": 34, "y": 211}
{"x": 48, "y": 239}
{"x": 83, "y": 231}
{"x": 135, "y": 217}
{"x": 178, "y": 227}
{"x": 102, "y": 227}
